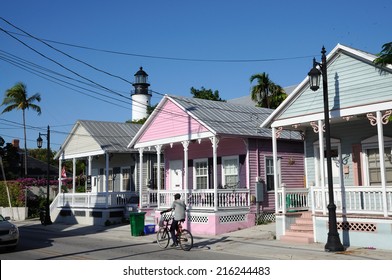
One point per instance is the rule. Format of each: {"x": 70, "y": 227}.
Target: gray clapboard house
{"x": 111, "y": 172}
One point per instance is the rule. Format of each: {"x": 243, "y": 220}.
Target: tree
{"x": 266, "y": 93}
{"x": 16, "y": 99}
{"x": 206, "y": 94}
{"x": 385, "y": 56}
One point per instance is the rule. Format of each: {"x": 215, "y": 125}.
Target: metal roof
{"x": 230, "y": 119}
{"x": 111, "y": 136}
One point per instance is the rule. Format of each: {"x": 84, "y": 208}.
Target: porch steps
{"x": 301, "y": 231}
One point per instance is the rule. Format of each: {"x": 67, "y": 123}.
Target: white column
{"x": 107, "y": 179}
{"x": 140, "y": 175}
{"x": 215, "y": 141}
{"x": 380, "y": 133}
{"x": 322, "y": 165}
{"x": 275, "y": 134}
{"x": 158, "y": 148}
{"x": 73, "y": 175}
{"x": 275, "y": 160}
{"x": 60, "y": 177}
{"x": 90, "y": 160}
{"x": 185, "y": 145}
{"x": 246, "y": 142}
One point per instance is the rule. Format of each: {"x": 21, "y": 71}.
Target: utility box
{"x": 259, "y": 192}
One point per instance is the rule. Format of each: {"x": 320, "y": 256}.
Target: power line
{"x": 175, "y": 58}
{"x": 67, "y": 55}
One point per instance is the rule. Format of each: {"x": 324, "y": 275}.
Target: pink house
{"x": 215, "y": 155}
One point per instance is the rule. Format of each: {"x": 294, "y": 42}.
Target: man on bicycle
{"x": 179, "y": 208}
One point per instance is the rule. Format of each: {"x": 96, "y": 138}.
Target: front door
{"x": 176, "y": 167}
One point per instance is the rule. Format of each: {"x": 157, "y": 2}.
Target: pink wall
{"x": 171, "y": 121}
{"x": 226, "y": 147}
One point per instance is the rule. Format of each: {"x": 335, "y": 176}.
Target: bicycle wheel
{"x": 186, "y": 240}
{"x": 163, "y": 238}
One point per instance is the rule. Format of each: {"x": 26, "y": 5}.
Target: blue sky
{"x": 180, "y": 44}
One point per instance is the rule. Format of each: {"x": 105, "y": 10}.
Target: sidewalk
{"x": 258, "y": 241}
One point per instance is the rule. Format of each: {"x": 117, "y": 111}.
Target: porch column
{"x": 107, "y": 179}
{"x": 275, "y": 135}
{"x": 60, "y": 177}
{"x": 185, "y": 145}
{"x": 275, "y": 160}
{"x": 73, "y": 175}
{"x": 140, "y": 175}
{"x": 380, "y": 133}
{"x": 215, "y": 141}
{"x": 90, "y": 160}
{"x": 322, "y": 165}
{"x": 158, "y": 148}
{"x": 246, "y": 142}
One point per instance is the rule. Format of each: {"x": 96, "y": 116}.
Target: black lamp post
{"x": 333, "y": 243}
{"x": 47, "y": 221}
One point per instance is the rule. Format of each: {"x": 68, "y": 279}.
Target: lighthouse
{"x": 141, "y": 95}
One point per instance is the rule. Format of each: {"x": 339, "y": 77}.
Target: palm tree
{"x": 16, "y": 98}
{"x": 385, "y": 56}
{"x": 266, "y": 93}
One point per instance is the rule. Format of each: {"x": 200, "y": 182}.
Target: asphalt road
{"x": 39, "y": 244}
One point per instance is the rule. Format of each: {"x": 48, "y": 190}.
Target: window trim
{"x": 266, "y": 174}
{"x": 237, "y": 158}
{"x": 122, "y": 178}
{"x": 195, "y": 161}
{"x": 371, "y": 143}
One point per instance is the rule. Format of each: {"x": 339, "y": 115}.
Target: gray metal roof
{"x": 111, "y": 136}
{"x": 231, "y": 119}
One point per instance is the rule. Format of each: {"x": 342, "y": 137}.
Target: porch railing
{"x": 353, "y": 200}
{"x": 94, "y": 200}
{"x": 205, "y": 199}
{"x": 195, "y": 199}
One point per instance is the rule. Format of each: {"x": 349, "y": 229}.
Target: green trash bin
{"x": 136, "y": 220}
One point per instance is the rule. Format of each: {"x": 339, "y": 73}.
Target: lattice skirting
{"x": 198, "y": 219}
{"x": 368, "y": 227}
{"x": 265, "y": 217}
{"x": 232, "y": 218}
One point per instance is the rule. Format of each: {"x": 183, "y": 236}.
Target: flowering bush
{"x": 16, "y": 192}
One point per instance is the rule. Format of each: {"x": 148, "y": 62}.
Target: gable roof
{"x": 351, "y": 77}
{"x": 219, "y": 118}
{"x": 110, "y": 137}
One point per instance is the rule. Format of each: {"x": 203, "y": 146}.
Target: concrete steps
{"x": 301, "y": 231}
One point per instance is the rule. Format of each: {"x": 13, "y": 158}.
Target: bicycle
{"x": 184, "y": 236}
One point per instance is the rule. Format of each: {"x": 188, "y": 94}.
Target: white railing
{"x": 205, "y": 199}
{"x": 353, "y": 200}
{"x": 150, "y": 198}
{"x": 94, "y": 200}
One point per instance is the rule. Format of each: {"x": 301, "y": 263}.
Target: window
{"x": 374, "y": 166}
{"x": 230, "y": 167}
{"x": 126, "y": 181}
{"x": 269, "y": 173}
{"x": 201, "y": 174}
{"x": 155, "y": 176}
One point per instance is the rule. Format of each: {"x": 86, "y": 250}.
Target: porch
{"x": 354, "y": 200}
{"x": 364, "y": 214}
{"x": 204, "y": 206}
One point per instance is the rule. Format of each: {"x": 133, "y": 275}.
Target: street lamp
{"x": 333, "y": 243}
{"x": 47, "y": 221}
